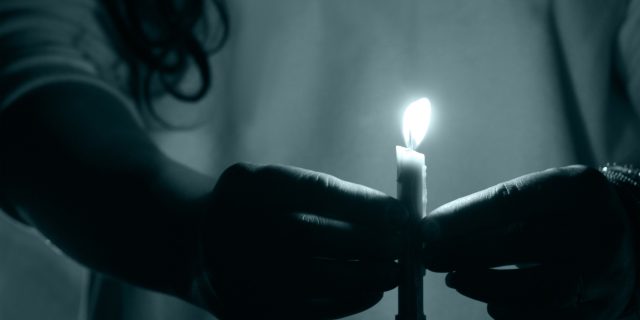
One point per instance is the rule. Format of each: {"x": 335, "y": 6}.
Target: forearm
{"x": 83, "y": 173}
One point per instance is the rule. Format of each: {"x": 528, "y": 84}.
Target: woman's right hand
{"x": 284, "y": 242}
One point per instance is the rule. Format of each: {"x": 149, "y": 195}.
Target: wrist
{"x": 184, "y": 194}
{"x": 200, "y": 290}
{"x": 626, "y": 181}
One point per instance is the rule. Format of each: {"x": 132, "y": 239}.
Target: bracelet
{"x": 623, "y": 176}
{"x": 626, "y": 180}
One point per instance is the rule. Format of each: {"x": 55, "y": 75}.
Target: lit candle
{"x": 412, "y": 192}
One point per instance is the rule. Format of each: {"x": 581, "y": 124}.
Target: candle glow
{"x": 412, "y": 192}
{"x": 415, "y": 122}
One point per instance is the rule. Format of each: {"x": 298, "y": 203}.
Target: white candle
{"x": 412, "y": 192}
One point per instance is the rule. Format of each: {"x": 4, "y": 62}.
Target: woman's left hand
{"x": 567, "y": 225}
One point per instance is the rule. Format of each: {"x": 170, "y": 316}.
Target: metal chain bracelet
{"x": 626, "y": 178}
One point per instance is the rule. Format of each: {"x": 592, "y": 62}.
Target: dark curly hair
{"x": 161, "y": 38}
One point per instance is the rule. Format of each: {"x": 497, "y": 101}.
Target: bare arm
{"x": 81, "y": 171}
{"x": 272, "y": 242}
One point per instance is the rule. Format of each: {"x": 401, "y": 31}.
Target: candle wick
{"x": 411, "y": 142}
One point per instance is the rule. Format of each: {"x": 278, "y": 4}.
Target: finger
{"x": 320, "y": 308}
{"x": 334, "y": 308}
{"x": 315, "y": 235}
{"x": 308, "y": 191}
{"x": 556, "y": 287}
{"x": 516, "y": 312}
{"x": 524, "y": 220}
{"x": 304, "y": 308}
{"x": 334, "y": 278}
{"x": 312, "y": 289}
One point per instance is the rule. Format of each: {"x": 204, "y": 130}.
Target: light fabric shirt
{"x": 516, "y": 86}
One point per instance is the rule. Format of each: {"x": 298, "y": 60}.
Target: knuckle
{"x": 504, "y": 190}
{"x": 271, "y": 169}
{"x": 318, "y": 179}
{"x": 238, "y": 169}
{"x": 588, "y": 176}
{"x": 236, "y": 175}
{"x": 311, "y": 219}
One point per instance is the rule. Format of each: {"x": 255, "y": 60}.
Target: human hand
{"x": 567, "y": 225}
{"x": 283, "y": 242}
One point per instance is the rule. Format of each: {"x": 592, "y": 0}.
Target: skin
{"x": 259, "y": 242}
{"x": 568, "y": 230}
{"x": 305, "y": 244}
{"x": 291, "y": 243}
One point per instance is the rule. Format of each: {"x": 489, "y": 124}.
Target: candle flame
{"x": 416, "y": 122}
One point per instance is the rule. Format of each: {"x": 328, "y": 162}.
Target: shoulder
{"x": 43, "y": 41}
